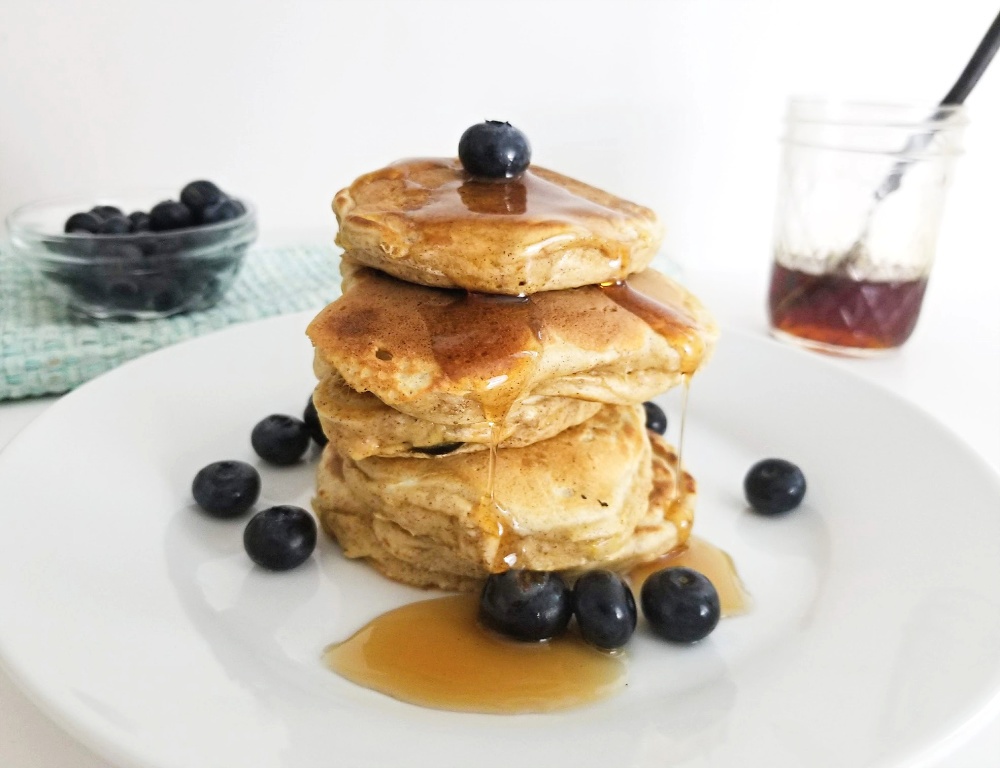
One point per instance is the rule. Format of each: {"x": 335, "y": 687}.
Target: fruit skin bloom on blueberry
{"x": 226, "y": 488}
{"x": 169, "y": 215}
{"x": 83, "y": 222}
{"x": 198, "y": 195}
{"x": 280, "y": 538}
{"x": 280, "y": 439}
{"x": 680, "y": 604}
{"x": 605, "y": 609}
{"x": 526, "y": 605}
{"x": 773, "y": 486}
{"x": 494, "y": 150}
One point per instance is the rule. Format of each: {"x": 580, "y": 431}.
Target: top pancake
{"x": 428, "y": 221}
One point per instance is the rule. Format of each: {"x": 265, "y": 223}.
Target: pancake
{"x": 432, "y": 538}
{"x": 427, "y": 221}
{"x": 360, "y": 425}
{"x": 458, "y": 358}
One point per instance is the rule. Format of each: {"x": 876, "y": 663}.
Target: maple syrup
{"x": 667, "y": 318}
{"x": 678, "y": 512}
{"x": 715, "y": 564}
{"x": 434, "y": 653}
{"x": 842, "y": 311}
{"x": 537, "y": 211}
{"x": 493, "y": 342}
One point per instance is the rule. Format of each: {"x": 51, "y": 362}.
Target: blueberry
{"x": 115, "y": 225}
{"x": 311, "y": 419}
{"x": 773, "y": 486}
{"x": 526, "y": 605}
{"x": 605, "y": 609}
{"x": 139, "y": 220}
{"x": 106, "y": 211}
{"x": 441, "y": 449}
{"x": 82, "y": 222}
{"x": 495, "y": 150}
{"x": 280, "y": 538}
{"x": 226, "y": 488}
{"x": 198, "y": 195}
{"x": 223, "y": 210}
{"x": 280, "y": 439}
{"x": 169, "y": 215}
{"x": 656, "y": 419}
{"x": 169, "y": 299}
{"x": 680, "y": 604}
{"x": 165, "y": 246}
{"x": 210, "y": 290}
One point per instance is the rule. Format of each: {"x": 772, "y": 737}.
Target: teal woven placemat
{"x": 44, "y": 350}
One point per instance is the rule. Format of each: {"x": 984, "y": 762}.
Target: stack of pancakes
{"x": 481, "y": 378}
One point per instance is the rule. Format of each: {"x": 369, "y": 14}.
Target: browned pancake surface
{"x": 427, "y": 221}
{"x": 453, "y": 357}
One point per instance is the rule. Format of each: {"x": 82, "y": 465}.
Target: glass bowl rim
{"x": 14, "y": 222}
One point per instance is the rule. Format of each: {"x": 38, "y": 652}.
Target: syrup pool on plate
{"x": 434, "y": 653}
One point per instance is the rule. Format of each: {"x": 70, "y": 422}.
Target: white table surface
{"x": 951, "y": 368}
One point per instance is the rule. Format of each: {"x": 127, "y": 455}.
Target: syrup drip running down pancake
{"x": 427, "y": 221}
{"x": 602, "y": 494}
{"x": 455, "y": 358}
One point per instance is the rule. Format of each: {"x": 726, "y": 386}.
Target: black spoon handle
{"x": 977, "y": 65}
{"x": 980, "y": 60}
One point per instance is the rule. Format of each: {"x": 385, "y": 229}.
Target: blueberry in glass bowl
{"x": 138, "y": 255}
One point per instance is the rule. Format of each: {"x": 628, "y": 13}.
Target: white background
{"x": 676, "y": 104}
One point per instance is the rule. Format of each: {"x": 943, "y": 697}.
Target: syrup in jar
{"x": 838, "y": 312}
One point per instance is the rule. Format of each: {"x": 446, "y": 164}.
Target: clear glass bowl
{"x": 138, "y": 276}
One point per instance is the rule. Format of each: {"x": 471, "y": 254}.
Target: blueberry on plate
{"x": 200, "y": 194}
{"x": 169, "y": 215}
{"x": 605, "y": 609}
{"x": 656, "y": 419}
{"x": 311, "y": 418}
{"x": 226, "y": 488}
{"x": 526, "y": 605}
{"x": 494, "y": 150}
{"x": 82, "y": 222}
{"x": 280, "y": 538}
{"x": 280, "y": 439}
{"x": 680, "y": 604}
{"x": 773, "y": 486}
{"x": 223, "y": 210}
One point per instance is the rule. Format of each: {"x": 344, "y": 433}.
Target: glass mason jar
{"x": 860, "y": 198}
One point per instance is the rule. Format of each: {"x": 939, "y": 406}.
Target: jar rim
{"x": 856, "y": 112}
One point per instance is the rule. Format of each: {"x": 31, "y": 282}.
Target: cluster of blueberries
{"x": 201, "y": 203}
{"x": 277, "y": 538}
{"x": 680, "y": 604}
{"x": 172, "y": 261}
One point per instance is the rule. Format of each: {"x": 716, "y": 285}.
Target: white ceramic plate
{"x": 140, "y": 625}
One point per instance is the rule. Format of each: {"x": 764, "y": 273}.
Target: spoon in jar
{"x": 974, "y": 70}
